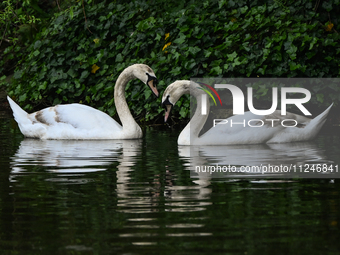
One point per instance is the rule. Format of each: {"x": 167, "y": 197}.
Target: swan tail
{"x": 20, "y": 116}
{"x": 317, "y": 123}
{"x": 323, "y": 116}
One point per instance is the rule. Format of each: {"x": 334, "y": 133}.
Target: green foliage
{"x": 178, "y": 40}
{"x": 17, "y": 27}
{"x": 20, "y": 22}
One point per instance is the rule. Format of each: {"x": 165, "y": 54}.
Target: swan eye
{"x": 167, "y": 102}
{"x": 151, "y": 80}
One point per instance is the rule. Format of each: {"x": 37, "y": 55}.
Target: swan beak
{"x": 152, "y": 84}
{"x": 168, "y": 108}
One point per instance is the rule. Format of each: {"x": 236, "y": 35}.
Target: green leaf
{"x": 37, "y": 44}
{"x": 194, "y": 50}
{"x": 314, "y": 41}
{"x": 328, "y": 58}
{"x": 176, "y": 71}
{"x": 36, "y": 53}
{"x": 189, "y": 64}
{"x": 232, "y": 56}
{"x": 181, "y": 39}
{"x": 71, "y": 13}
{"x": 18, "y": 74}
{"x": 84, "y": 74}
{"x": 22, "y": 98}
{"x": 183, "y": 112}
{"x": 221, "y": 3}
{"x": 158, "y": 37}
{"x": 244, "y": 9}
{"x": 147, "y": 93}
{"x": 293, "y": 66}
{"x": 43, "y": 86}
{"x": 320, "y": 98}
{"x": 207, "y": 53}
{"x": 119, "y": 58}
{"x": 216, "y": 70}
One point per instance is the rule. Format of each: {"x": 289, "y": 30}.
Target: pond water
{"x": 140, "y": 197}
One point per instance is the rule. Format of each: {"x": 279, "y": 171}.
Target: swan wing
{"x": 305, "y": 130}
{"x": 240, "y": 129}
{"x": 274, "y": 128}
{"x": 70, "y": 121}
{"x": 76, "y": 121}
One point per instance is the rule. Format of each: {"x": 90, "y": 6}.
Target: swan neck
{"x": 197, "y": 121}
{"x": 122, "y": 108}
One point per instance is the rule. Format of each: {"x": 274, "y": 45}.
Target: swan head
{"x": 172, "y": 94}
{"x": 146, "y": 75}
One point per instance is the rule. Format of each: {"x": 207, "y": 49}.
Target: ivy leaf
{"x": 314, "y": 41}
{"x": 293, "y": 66}
{"x": 216, "y": 70}
{"x": 119, "y": 58}
{"x": 36, "y": 53}
{"x": 232, "y": 56}
{"x": 194, "y": 50}
{"x": 183, "y": 112}
{"x": 158, "y": 37}
{"x": 320, "y": 98}
{"x": 84, "y": 74}
{"x": 221, "y": 3}
{"x": 181, "y": 39}
{"x": 37, "y": 44}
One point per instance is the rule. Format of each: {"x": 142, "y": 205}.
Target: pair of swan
{"x": 77, "y": 121}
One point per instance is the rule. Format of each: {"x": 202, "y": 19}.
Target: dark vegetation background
{"x": 57, "y": 51}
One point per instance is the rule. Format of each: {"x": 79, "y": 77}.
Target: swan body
{"x": 77, "y": 121}
{"x": 264, "y": 132}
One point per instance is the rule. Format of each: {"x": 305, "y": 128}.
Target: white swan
{"x": 305, "y": 130}
{"x": 77, "y": 121}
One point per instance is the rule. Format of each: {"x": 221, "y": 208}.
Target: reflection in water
{"x": 256, "y": 160}
{"x": 135, "y": 197}
{"x": 64, "y": 155}
{"x": 69, "y": 157}
{"x": 63, "y": 159}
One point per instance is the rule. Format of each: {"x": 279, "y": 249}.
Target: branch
{"x": 3, "y": 36}
{"x": 58, "y": 5}
{"x": 82, "y": 1}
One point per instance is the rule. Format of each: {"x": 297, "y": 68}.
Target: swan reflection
{"x": 285, "y": 160}
{"x": 70, "y": 160}
{"x": 139, "y": 192}
{"x": 71, "y": 156}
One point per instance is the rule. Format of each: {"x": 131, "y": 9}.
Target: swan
{"x": 77, "y": 121}
{"x": 305, "y": 130}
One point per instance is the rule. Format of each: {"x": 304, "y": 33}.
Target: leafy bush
{"x": 78, "y": 60}
{"x": 18, "y": 26}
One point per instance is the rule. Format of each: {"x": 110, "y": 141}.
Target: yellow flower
{"x": 94, "y": 68}
{"x": 166, "y": 36}
{"x": 96, "y": 40}
{"x": 329, "y": 26}
{"x": 166, "y": 45}
{"x": 233, "y": 19}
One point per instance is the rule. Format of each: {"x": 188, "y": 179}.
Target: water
{"x": 139, "y": 197}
